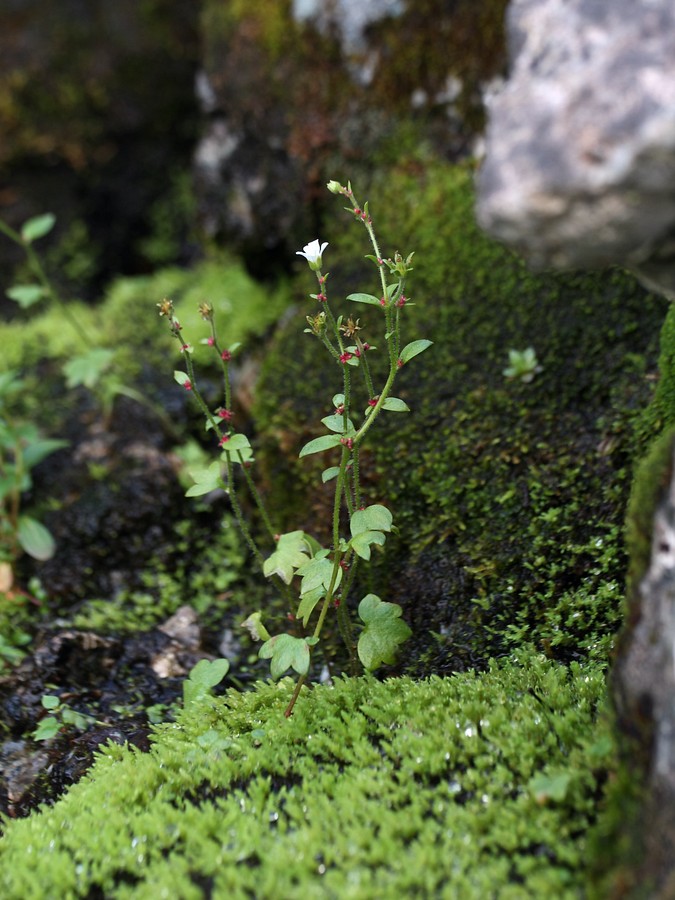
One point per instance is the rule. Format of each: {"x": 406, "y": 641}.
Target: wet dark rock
{"x": 580, "y": 147}
{"x": 21, "y": 765}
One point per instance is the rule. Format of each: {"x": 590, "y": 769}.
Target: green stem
{"x": 138, "y": 397}
{"x": 368, "y": 423}
{"x": 356, "y": 478}
{"x": 36, "y": 266}
{"x": 39, "y": 272}
{"x": 337, "y": 559}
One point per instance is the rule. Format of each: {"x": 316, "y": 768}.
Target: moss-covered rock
{"x": 510, "y": 496}
{"x": 467, "y": 787}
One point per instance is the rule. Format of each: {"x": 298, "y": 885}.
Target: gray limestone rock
{"x": 643, "y": 678}
{"x": 579, "y": 170}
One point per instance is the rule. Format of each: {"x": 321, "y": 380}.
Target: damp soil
{"x": 118, "y": 684}
{"x": 107, "y": 529}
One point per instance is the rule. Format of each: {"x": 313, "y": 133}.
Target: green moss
{"x": 451, "y": 787}
{"x": 661, "y": 411}
{"x": 203, "y": 570}
{"x": 127, "y": 319}
{"x": 510, "y": 496}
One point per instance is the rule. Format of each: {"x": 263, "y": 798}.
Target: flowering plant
{"x": 316, "y": 579}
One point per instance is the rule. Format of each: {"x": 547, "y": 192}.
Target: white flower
{"x": 312, "y": 253}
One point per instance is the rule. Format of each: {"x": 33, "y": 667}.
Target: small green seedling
{"x": 523, "y": 365}
{"x": 62, "y": 716}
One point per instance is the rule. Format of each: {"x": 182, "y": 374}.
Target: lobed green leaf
{"x": 372, "y": 518}
{"x": 362, "y": 542}
{"x": 383, "y": 633}
{"x": 292, "y": 551}
{"x": 25, "y": 294}
{"x": 286, "y": 652}
{"x": 87, "y": 368}
{"x": 205, "y": 480}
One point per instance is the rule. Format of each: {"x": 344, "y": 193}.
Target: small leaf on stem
{"x": 37, "y": 227}
{"x": 414, "y": 348}
{"x": 318, "y": 445}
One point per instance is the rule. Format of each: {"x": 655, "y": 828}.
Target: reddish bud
{"x": 399, "y": 363}
{"x": 226, "y": 355}
{"x": 225, "y": 414}
{"x": 346, "y": 357}
{"x": 339, "y": 409}
{"x": 373, "y": 401}
{"x": 322, "y": 298}
{"x": 347, "y": 442}
{"x": 383, "y": 302}
{"x": 187, "y": 385}
{"x": 210, "y": 341}
{"x": 366, "y": 345}
{"x": 401, "y": 301}
{"x": 224, "y": 439}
